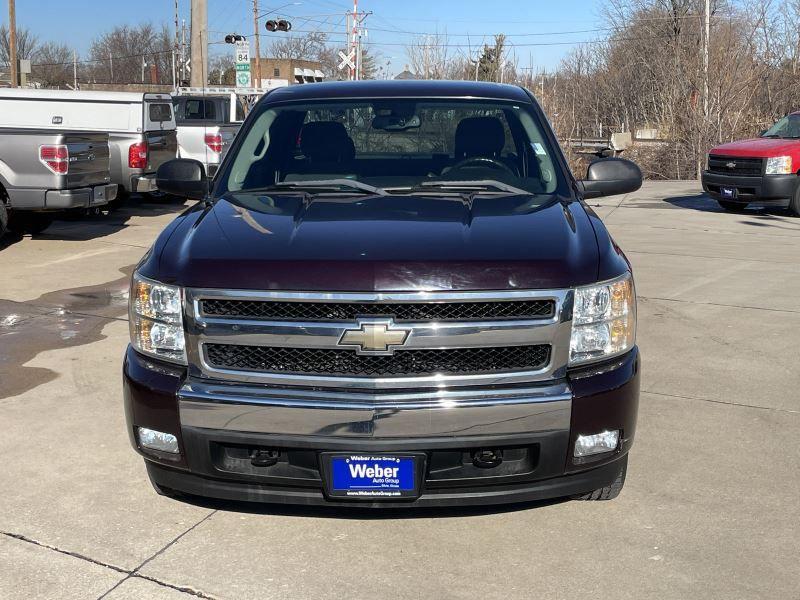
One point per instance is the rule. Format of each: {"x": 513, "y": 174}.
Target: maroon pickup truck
{"x": 763, "y": 170}
{"x": 392, "y": 295}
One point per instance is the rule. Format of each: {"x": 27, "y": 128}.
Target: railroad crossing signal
{"x": 348, "y": 60}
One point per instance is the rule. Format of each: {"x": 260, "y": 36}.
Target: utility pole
{"x": 12, "y": 42}
{"x": 111, "y": 63}
{"x": 354, "y": 42}
{"x": 199, "y": 44}
{"x": 258, "y": 43}
{"x": 75, "y": 69}
{"x": 183, "y": 50}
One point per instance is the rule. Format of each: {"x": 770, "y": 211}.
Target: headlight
{"x": 779, "y": 165}
{"x": 156, "y": 319}
{"x": 603, "y": 321}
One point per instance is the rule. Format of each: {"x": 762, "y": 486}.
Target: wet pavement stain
{"x": 55, "y": 320}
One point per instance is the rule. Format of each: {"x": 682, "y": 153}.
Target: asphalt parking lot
{"x": 710, "y": 508}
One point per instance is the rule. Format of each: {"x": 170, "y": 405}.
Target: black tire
{"x": 29, "y": 222}
{"x": 732, "y": 206}
{"x": 608, "y": 492}
{"x": 3, "y": 218}
{"x": 794, "y": 204}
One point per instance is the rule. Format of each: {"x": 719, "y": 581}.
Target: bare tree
{"x": 126, "y": 53}
{"x": 53, "y": 66}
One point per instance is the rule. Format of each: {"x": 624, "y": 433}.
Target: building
{"x": 289, "y": 69}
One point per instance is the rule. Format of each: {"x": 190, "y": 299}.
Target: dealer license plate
{"x": 727, "y": 192}
{"x": 372, "y": 476}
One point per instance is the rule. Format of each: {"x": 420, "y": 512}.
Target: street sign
{"x": 243, "y": 78}
{"x": 348, "y": 60}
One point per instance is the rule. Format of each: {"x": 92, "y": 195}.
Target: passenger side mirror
{"x": 183, "y": 177}
{"x": 609, "y": 176}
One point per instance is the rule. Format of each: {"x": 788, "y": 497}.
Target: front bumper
{"x": 763, "y": 188}
{"x": 218, "y": 425}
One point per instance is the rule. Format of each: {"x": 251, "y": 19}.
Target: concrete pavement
{"x": 709, "y": 510}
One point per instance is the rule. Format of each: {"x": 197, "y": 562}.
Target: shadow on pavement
{"x": 80, "y": 225}
{"x": 704, "y": 203}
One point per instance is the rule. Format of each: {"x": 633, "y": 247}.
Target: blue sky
{"x": 535, "y": 27}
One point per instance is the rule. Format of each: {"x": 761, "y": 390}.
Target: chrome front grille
{"x": 430, "y": 339}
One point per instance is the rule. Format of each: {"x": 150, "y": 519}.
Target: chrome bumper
{"x": 144, "y": 184}
{"x": 462, "y": 413}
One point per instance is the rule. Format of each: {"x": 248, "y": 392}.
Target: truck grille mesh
{"x": 404, "y": 362}
{"x": 740, "y": 166}
{"x": 409, "y": 311}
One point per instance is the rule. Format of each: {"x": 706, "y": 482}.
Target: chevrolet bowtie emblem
{"x": 731, "y": 165}
{"x": 375, "y": 337}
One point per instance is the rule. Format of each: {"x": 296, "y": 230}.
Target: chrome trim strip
{"x": 422, "y": 335}
{"x": 424, "y": 296}
{"x": 555, "y": 331}
{"x": 339, "y": 414}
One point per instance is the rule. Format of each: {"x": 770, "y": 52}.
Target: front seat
{"x": 479, "y": 136}
{"x": 326, "y": 142}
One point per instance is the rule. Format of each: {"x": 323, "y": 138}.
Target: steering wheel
{"x": 483, "y": 161}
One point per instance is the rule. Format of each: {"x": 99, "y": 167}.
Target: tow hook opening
{"x": 264, "y": 457}
{"x": 487, "y": 458}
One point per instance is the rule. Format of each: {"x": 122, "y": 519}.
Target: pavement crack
{"x": 22, "y": 538}
{"x": 136, "y": 571}
{"x": 742, "y": 306}
{"x": 712, "y": 401}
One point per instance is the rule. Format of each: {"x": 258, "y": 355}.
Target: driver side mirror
{"x": 183, "y": 177}
{"x": 609, "y": 176}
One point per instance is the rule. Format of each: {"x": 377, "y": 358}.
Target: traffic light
{"x": 232, "y": 38}
{"x": 279, "y": 25}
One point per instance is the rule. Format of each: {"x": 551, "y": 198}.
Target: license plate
{"x": 372, "y": 476}
{"x": 727, "y": 192}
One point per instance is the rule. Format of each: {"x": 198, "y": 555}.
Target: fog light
{"x": 158, "y": 440}
{"x": 605, "y": 441}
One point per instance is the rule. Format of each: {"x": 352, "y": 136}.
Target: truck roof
{"x": 86, "y": 95}
{"x": 403, "y": 88}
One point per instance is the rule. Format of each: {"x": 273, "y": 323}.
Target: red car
{"x": 763, "y": 170}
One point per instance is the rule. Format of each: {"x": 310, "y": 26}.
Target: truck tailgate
{"x": 162, "y": 146}
{"x": 88, "y": 159}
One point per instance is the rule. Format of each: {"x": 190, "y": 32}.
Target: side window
{"x": 199, "y": 109}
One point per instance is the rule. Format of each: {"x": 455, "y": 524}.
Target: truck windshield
{"x": 397, "y": 146}
{"x": 787, "y": 127}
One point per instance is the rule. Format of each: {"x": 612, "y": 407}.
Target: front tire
{"x": 608, "y": 492}
{"x": 3, "y": 218}
{"x": 732, "y": 206}
{"x": 794, "y": 205}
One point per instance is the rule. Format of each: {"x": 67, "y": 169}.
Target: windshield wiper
{"x": 476, "y": 185}
{"x": 331, "y": 183}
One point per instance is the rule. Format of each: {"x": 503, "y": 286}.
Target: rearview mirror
{"x": 609, "y": 176}
{"x": 183, "y": 177}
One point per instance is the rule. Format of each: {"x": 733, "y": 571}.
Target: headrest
{"x": 479, "y": 136}
{"x": 325, "y": 141}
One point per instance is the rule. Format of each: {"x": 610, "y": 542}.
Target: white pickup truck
{"x": 208, "y": 121}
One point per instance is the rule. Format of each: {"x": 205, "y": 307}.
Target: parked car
{"x": 763, "y": 169}
{"x": 140, "y": 127}
{"x": 43, "y": 171}
{"x": 393, "y": 295}
{"x": 208, "y": 121}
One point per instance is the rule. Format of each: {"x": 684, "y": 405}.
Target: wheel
{"x": 3, "y": 218}
{"x": 732, "y": 206}
{"x": 794, "y": 205}
{"x": 29, "y": 222}
{"x": 608, "y": 492}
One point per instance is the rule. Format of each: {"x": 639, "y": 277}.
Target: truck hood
{"x": 758, "y": 148}
{"x": 368, "y": 243}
